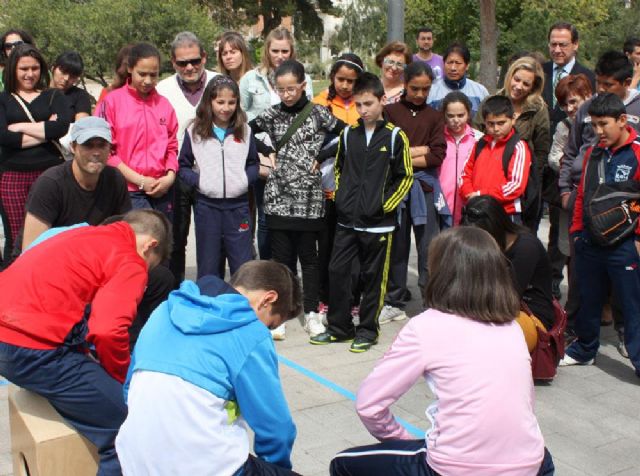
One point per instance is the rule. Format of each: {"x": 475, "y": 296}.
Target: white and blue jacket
{"x": 204, "y": 366}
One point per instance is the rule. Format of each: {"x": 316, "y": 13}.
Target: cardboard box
{"x": 42, "y": 443}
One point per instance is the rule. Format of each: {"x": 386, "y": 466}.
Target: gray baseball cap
{"x": 89, "y": 127}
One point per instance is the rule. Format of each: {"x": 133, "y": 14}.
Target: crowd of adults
{"x": 337, "y": 182}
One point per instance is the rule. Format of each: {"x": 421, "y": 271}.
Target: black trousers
{"x": 185, "y": 197}
{"x": 160, "y": 283}
{"x": 558, "y": 260}
{"x": 287, "y": 246}
{"x": 259, "y": 467}
{"x": 373, "y": 250}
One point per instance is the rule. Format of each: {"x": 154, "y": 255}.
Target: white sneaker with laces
{"x": 390, "y": 313}
{"x": 313, "y": 324}
{"x": 568, "y": 360}
{"x": 280, "y": 332}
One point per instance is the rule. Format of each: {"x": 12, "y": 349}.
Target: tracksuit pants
{"x": 398, "y": 458}
{"x": 598, "y": 269}
{"x": 373, "y": 251}
{"x": 78, "y": 388}
{"x": 217, "y": 227}
{"x": 397, "y": 291}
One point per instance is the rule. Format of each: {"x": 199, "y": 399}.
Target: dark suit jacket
{"x": 556, "y": 114}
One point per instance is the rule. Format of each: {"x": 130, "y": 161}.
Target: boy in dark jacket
{"x": 373, "y": 174}
{"x": 607, "y": 249}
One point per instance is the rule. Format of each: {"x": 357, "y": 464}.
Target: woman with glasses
{"x": 392, "y": 59}
{"x": 8, "y": 41}
{"x": 456, "y": 65}
{"x": 293, "y": 197}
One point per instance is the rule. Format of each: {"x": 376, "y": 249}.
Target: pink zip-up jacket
{"x": 452, "y": 166}
{"x": 482, "y": 421}
{"x": 144, "y": 132}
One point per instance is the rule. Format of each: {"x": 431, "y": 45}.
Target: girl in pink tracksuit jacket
{"x": 144, "y": 130}
{"x": 473, "y": 356}
{"x": 461, "y": 138}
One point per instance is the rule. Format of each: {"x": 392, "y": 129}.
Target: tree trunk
{"x": 488, "y": 45}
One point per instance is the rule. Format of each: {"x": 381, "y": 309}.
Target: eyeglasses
{"x": 192, "y": 62}
{"x": 10, "y": 46}
{"x": 288, "y": 90}
{"x": 562, "y": 46}
{"x": 389, "y": 62}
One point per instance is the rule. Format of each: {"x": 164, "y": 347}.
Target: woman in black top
{"x": 528, "y": 257}
{"x": 31, "y": 118}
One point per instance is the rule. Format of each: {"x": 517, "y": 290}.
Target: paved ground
{"x": 589, "y": 416}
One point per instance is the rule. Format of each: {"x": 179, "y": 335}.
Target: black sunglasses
{"x": 192, "y": 62}
{"x": 9, "y": 46}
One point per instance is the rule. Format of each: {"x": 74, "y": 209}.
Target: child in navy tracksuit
{"x": 606, "y": 237}
{"x": 219, "y": 158}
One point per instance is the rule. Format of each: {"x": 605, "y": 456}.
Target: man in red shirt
{"x": 80, "y": 288}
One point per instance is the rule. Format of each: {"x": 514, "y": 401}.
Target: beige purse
{"x": 28, "y": 113}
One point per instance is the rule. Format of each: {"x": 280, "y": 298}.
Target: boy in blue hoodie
{"x": 204, "y": 368}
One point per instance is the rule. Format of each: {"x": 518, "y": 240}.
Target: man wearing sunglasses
{"x": 184, "y": 91}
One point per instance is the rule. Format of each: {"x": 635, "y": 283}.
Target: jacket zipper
{"x": 224, "y": 175}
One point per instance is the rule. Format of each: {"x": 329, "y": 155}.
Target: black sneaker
{"x": 327, "y": 338}
{"x": 360, "y": 344}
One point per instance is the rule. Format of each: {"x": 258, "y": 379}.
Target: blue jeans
{"x": 78, "y": 388}
{"x": 398, "y": 458}
{"x": 598, "y": 268}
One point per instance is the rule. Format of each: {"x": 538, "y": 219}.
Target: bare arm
{"x": 33, "y": 228}
{"x": 135, "y": 178}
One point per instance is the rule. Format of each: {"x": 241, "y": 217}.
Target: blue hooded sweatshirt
{"x": 208, "y": 335}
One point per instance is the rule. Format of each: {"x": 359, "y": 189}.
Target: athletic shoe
{"x": 360, "y": 344}
{"x": 390, "y": 313}
{"x": 568, "y": 360}
{"x": 622, "y": 349}
{"x": 279, "y": 333}
{"x": 327, "y": 338}
{"x": 313, "y": 324}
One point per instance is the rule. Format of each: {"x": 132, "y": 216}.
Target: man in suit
{"x": 563, "y": 48}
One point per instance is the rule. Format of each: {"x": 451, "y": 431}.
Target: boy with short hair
{"x": 484, "y": 172}
{"x": 373, "y": 174}
{"x": 606, "y": 231}
{"x": 204, "y": 367}
{"x": 46, "y": 325}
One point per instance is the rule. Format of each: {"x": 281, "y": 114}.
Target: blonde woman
{"x": 257, "y": 87}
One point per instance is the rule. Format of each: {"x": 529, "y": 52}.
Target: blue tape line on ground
{"x": 3, "y": 382}
{"x": 414, "y": 430}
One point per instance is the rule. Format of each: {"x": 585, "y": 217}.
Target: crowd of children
{"x": 337, "y": 183}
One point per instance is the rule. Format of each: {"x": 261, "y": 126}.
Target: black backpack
{"x": 531, "y": 200}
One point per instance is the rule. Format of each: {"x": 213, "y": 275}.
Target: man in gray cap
{"x": 87, "y": 190}
{"x": 82, "y": 190}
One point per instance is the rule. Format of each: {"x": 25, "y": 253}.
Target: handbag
{"x": 28, "y": 113}
{"x": 550, "y": 347}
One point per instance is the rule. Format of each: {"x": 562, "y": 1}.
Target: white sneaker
{"x": 280, "y": 332}
{"x": 390, "y": 313}
{"x": 313, "y": 324}
{"x": 568, "y": 360}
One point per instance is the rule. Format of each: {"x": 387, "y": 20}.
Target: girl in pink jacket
{"x": 472, "y": 355}
{"x": 144, "y": 129}
{"x": 460, "y": 139}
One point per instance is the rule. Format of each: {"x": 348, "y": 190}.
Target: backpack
{"x": 394, "y": 133}
{"x": 531, "y": 199}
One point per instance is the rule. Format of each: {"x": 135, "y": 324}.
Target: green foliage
{"x": 364, "y": 28}
{"x": 99, "y": 28}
